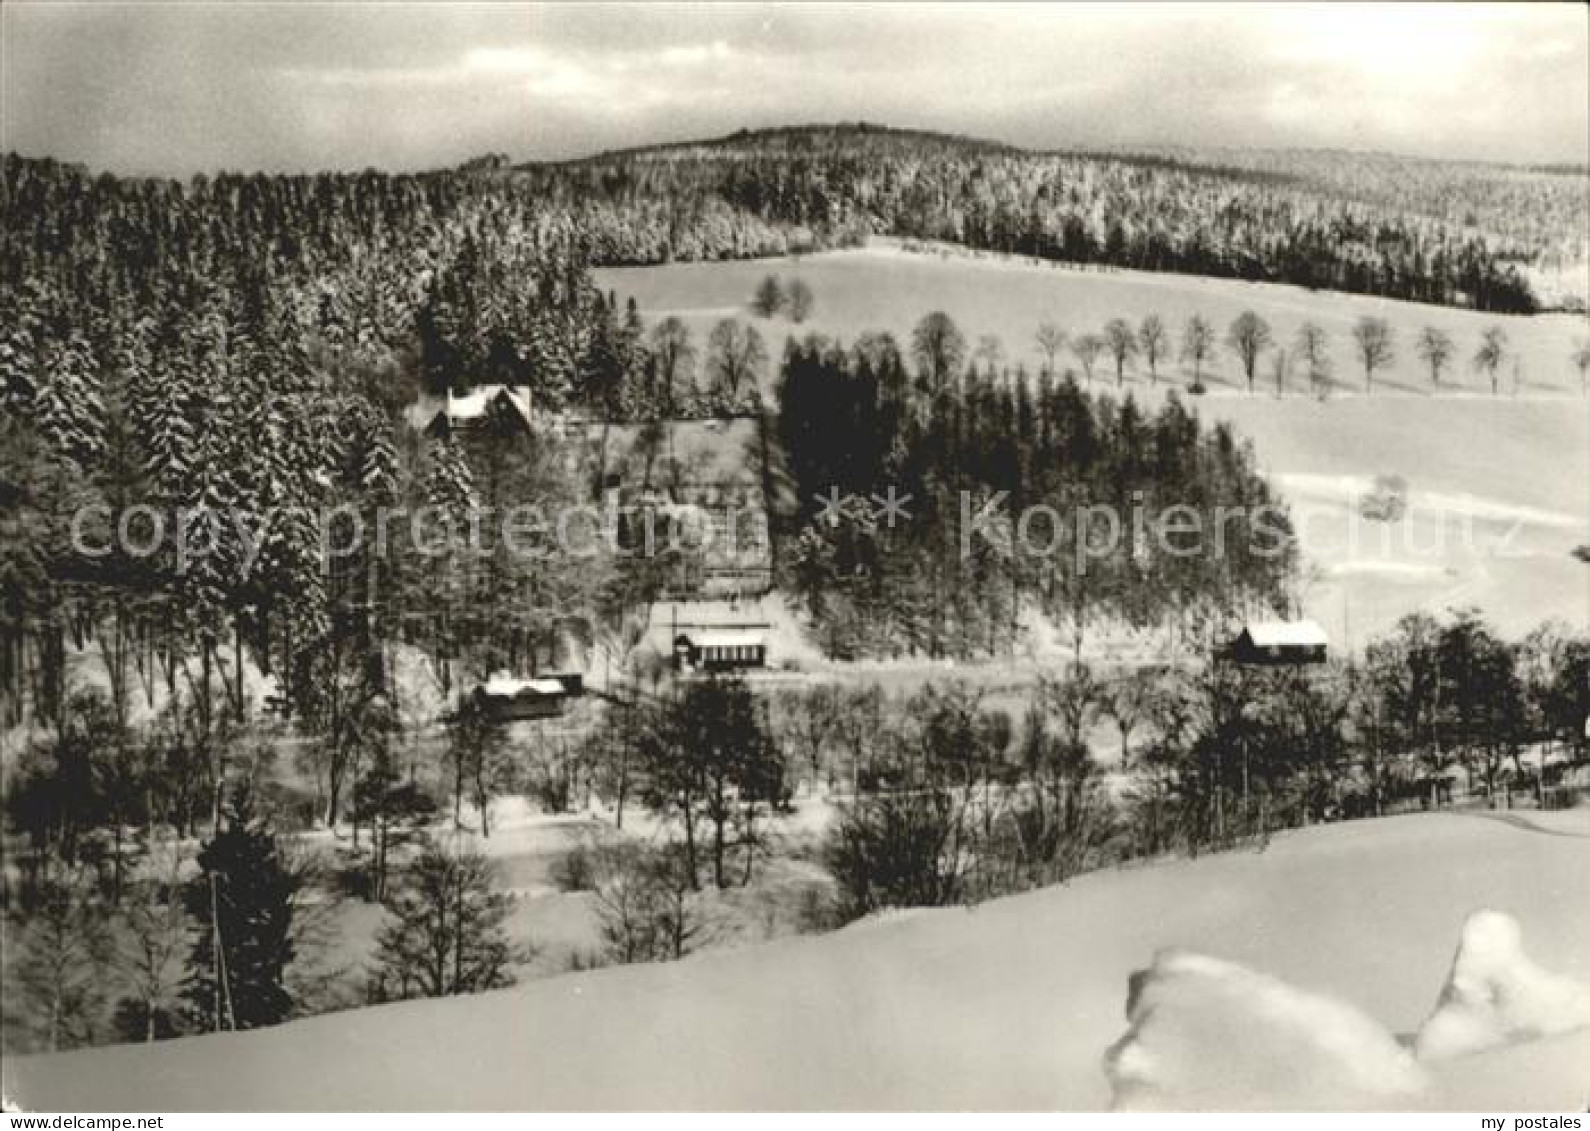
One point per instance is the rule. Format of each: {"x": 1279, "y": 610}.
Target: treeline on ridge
{"x": 1428, "y": 231}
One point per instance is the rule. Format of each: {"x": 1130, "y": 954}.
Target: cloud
{"x": 600, "y": 80}
{"x": 695, "y": 54}
{"x": 181, "y": 88}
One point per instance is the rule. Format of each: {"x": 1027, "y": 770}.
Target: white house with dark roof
{"x": 720, "y": 649}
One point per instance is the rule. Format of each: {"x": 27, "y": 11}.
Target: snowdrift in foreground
{"x": 1006, "y": 1006}
{"x": 1497, "y": 996}
{"x": 1207, "y": 1034}
{"x": 1210, "y": 1035}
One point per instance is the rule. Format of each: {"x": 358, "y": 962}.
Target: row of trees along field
{"x": 1430, "y": 231}
{"x": 952, "y": 435}
{"x": 942, "y": 798}
{"x": 1311, "y": 356}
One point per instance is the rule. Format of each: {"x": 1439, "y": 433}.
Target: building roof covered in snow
{"x": 1284, "y": 633}
{"x": 1277, "y": 642}
{"x": 503, "y": 684}
{"x": 506, "y": 698}
{"x": 449, "y": 411}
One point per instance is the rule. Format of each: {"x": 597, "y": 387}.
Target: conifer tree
{"x": 241, "y": 903}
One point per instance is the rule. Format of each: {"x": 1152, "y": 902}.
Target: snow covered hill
{"x": 1010, "y": 1005}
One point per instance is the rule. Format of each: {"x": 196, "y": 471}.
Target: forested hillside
{"x": 242, "y": 346}
{"x": 1421, "y": 230}
{"x": 245, "y": 343}
{"x": 200, "y": 392}
{"x": 1006, "y": 483}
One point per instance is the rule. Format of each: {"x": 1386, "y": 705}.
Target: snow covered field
{"x": 1500, "y": 486}
{"x": 884, "y": 287}
{"x": 1498, "y": 496}
{"x": 1009, "y": 1005}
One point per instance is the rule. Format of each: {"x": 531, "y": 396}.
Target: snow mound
{"x": 1495, "y": 995}
{"x": 1005, "y": 1007}
{"x": 1207, "y": 1034}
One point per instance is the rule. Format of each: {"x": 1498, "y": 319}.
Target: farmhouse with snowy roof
{"x": 1278, "y": 642}
{"x": 505, "y": 698}
{"x": 485, "y": 410}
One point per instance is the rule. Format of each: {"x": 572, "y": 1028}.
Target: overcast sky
{"x": 179, "y": 88}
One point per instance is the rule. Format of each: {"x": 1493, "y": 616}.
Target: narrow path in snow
{"x": 1521, "y": 821}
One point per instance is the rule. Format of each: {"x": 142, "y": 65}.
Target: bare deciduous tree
{"x": 800, "y": 300}
{"x": 1376, "y": 346}
{"x": 1581, "y": 362}
{"x": 736, "y": 358}
{"x": 1435, "y": 349}
{"x": 479, "y": 760}
{"x": 990, "y": 351}
{"x": 1314, "y": 349}
{"x": 647, "y": 907}
{"x": 1248, "y": 337}
{"x": 1074, "y": 701}
{"x": 149, "y": 958}
{"x": 1051, "y": 340}
{"x": 446, "y": 934}
{"x": 809, "y": 720}
{"x": 1122, "y": 343}
{"x": 859, "y": 725}
{"x": 769, "y": 297}
{"x": 1153, "y": 340}
{"x": 1198, "y": 341}
{"x": 939, "y": 349}
{"x": 1130, "y": 702}
{"x": 1493, "y": 349}
{"x": 1087, "y": 349}
{"x": 1280, "y": 365}
{"x": 674, "y": 365}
